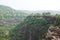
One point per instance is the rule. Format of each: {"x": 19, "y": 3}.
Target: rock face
{"x": 53, "y": 33}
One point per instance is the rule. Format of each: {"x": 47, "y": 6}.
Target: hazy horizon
{"x": 32, "y": 4}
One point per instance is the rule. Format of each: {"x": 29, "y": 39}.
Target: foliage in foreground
{"x": 33, "y": 27}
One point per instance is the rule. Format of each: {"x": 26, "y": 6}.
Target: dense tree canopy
{"x": 58, "y": 20}
{"x": 33, "y": 27}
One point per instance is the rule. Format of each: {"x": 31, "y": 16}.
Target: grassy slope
{"x": 4, "y": 31}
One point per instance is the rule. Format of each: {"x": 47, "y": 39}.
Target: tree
{"x": 32, "y": 28}
{"x": 46, "y": 14}
{"x": 58, "y": 19}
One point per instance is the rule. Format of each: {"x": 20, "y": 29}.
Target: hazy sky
{"x": 32, "y": 4}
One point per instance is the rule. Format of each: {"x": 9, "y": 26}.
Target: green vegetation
{"x": 9, "y": 18}
{"x": 9, "y": 13}
{"x": 4, "y": 31}
{"x": 34, "y": 27}
{"x": 19, "y": 25}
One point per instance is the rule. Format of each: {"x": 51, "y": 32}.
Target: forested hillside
{"x": 10, "y": 16}
{"x": 35, "y": 27}
{"x": 27, "y": 25}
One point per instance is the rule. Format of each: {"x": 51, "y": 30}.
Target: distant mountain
{"x": 41, "y": 11}
{"x": 11, "y": 16}
{"x": 45, "y": 11}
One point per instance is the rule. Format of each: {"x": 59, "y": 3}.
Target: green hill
{"x": 10, "y": 16}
